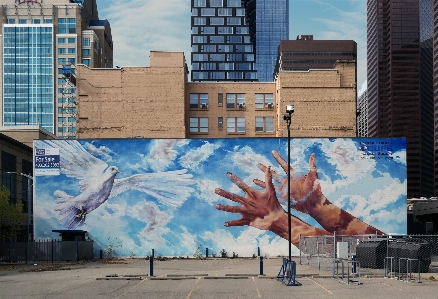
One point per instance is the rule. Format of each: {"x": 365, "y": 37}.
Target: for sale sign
{"x": 47, "y": 161}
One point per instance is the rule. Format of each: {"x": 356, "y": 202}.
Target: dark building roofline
{"x": 15, "y": 142}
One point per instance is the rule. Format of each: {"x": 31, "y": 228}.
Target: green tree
{"x": 11, "y": 216}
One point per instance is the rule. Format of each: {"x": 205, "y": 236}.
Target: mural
{"x": 175, "y": 194}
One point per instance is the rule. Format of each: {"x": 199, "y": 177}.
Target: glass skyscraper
{"x": 28, "y": 80}
{"x": 234, "y": 40}
{"x": 41, "y": 44}
{"x": 269, "y": 25}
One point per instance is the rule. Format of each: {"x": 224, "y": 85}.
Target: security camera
{"x": 290, "y": 108}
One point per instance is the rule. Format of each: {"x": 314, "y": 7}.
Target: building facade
{"x": 234, "y": 40}
{"x": 435, "y": 87}
{"x": 400, "y": 88}
{"x": 305, "y": 53}
{"x": 158, "y": 102}
{"x": 362, "y": 114}
{"x": 268, "y": 22}
{"x": 39, "y": 42}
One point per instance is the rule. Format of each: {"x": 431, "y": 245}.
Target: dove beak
{"x": 118, "y": 171}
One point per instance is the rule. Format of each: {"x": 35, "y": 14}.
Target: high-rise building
{"x": 234, "y": 40}
{"x": 268, "y": 22}
{"x": 400, "y": 84}
{"x": 362, "y": 114}
{"x": 42, "y": 41}
{"x": 435, "y": 87}
{"x": 305, "y": 53}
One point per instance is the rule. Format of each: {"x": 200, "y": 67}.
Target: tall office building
{"x": 305, "y": 53}
{"x": 400, "y": 84}
{"x": 435, "y": 87}
{"x": 41, "y": 42}
{"x": 268, "y": 22}
{"x": 229, "y": 36}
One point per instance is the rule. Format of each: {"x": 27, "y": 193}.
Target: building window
{"x": 86, "y": 42}
{"x": 198, "y": 124}
{"x": 86, "y": 52}
{"x": 220, "y": 99}
{"x": 207, "y": 11}
{"x": 225, "y": 12}
{"x": 72, "y": 40}
{"x": 199, "y": 100}
{"x": 199, "y": 3}
{"x": 36, "y": 21}
{"x": 235, "y": 124}
{"x": 199, "y": 21}
{"x": 71, "y": 51}
{"x": 234, "y": 3}
{"x": 66, "y": 25}
{"x": 216, "y": 21}
{"x": 234, "y": 21}
{"x": 11, "y": 21}
{"x": 215, "y": 3}
{"x": 61, "y": 40}
{"x": 62, "y": 51}
{"x": 22, "y": 21}
{"x": 264, "y": 124}
{"x": 264, "y": 100}
{"x": 9, "y": 180}
{"x": 62, "y": 119}
{"x": 235, "y": 100}
{"x": 220, "y": 122}
{"x": 86, "y": 61}
{"x": 207, "y": 30}
{"x": 199, "y": 39}
{"x": 200, "y": 75}
{"x": 47, "y": 21}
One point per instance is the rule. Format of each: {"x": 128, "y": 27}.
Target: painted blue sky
{"x": 356, "y": 175}
{"x": 139, "y": 26}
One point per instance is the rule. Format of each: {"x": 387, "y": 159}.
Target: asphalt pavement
{"x": 211, "y": 278}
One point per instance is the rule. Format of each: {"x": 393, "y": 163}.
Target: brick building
{"x": 158, "y": 102}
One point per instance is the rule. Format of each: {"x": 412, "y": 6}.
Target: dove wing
{"x": 74, "y": 159}
{"x": 171, "y": 188}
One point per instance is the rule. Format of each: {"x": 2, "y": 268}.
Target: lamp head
{"x": 290, "y": 109}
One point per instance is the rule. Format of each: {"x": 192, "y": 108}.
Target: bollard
{"x": 261, "y": 265}
{"x": 353, "y": 270}
{"x": 258, "y": 251}
{"x": 151, "y": 264}
{"x": 206, "y": 252}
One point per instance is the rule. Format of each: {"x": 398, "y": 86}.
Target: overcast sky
{"x": 141, "y": 26}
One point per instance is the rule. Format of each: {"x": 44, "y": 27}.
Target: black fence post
{"x": 206, "y": 252}
{"x": 258, "y": 251}
{"x": 261, "y": 265}
{"x": 151, "y": 264}
{"x": 25, "y": 251}
{"x": 52, "y": 251}
{"x": 77, "y": 251}
{"x": 101, "y": 254}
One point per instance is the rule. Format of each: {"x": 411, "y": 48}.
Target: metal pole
{"x": 289, "y": 224}
{"x": 29, "y": 207}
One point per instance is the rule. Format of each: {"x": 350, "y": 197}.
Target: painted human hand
{"x": 305, "y": 190}
{"x": 259, "y": 208}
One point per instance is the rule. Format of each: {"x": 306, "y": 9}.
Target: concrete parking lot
{"x": 213, "y": 278}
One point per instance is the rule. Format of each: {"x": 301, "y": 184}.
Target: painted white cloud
{"x": 102, "y": 151}
{"x": 163, "y": 152}
{"x": 198, "y": 155}
{"x": 246, "y": 243}
{"x": 400, "y": 157}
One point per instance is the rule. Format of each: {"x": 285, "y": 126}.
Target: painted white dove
{"x": 97, "y": 182}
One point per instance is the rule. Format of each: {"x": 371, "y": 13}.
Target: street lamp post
{"x": 29, "y": 199}
{"x": 288, "y": 118}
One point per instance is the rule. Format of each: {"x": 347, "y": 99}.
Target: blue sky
{"x": 139, "y": 26}
{"x": 372, "y": 189}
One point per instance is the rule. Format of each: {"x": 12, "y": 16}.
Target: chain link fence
{"x": 385, "y": 255}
